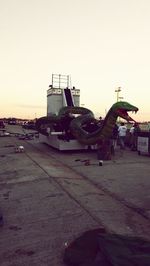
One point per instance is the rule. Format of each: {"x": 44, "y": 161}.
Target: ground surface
{"x": 48, "y": 198}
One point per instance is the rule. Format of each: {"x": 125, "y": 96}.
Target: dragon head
{"x": 122, "y": 108}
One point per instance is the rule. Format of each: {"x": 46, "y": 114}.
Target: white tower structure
{"x": 61, "y": 94}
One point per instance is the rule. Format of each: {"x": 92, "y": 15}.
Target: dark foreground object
{"x": 98, "y": 248}
{"x": 1, "y": 220}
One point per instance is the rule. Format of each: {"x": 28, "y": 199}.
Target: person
{"x": 100, "y": 121}
{"x": 131, "y": 142}
{"x": 48, "y": 130}
{"x": 133, "y": 136}
{"x": 122, "y": 131}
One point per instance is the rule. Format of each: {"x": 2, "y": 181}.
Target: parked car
{"x": 29, "y": 125}
{"x": 12, "y": 121}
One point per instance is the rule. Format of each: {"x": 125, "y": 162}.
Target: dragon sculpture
{"x": 78, "y": 120}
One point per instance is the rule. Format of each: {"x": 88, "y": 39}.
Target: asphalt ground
{"x": 48, "y": 198}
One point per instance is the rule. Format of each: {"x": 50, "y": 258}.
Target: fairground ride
{"x": 68, "y": 126}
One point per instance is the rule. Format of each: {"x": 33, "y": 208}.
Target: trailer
{"x": 143, "y": 143}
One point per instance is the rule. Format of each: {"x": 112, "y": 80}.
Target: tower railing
{"x": 60, "y": 81}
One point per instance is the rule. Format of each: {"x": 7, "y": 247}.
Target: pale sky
{"x": 101, "y": 44}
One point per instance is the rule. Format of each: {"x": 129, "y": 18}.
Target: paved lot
{"x": 48, "y": 198}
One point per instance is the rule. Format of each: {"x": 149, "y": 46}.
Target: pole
{"x": 117, "y": 91}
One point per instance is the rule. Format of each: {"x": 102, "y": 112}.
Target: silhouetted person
{"x": 122, "y": 130}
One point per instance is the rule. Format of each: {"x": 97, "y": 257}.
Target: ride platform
{"x": 64, "y": 145}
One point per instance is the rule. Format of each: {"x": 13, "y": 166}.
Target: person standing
{"x": 122, "y": 131}
{"x": 133, "y": 136}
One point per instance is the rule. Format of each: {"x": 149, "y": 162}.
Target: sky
{"x": 101, "y": 44}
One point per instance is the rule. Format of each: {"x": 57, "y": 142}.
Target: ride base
{"x": 64, "y": 145}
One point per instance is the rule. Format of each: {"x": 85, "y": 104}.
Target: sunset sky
{"x": 101, "y": 44}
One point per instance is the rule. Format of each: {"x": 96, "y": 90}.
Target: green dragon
{"x": 76, "y": 124}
